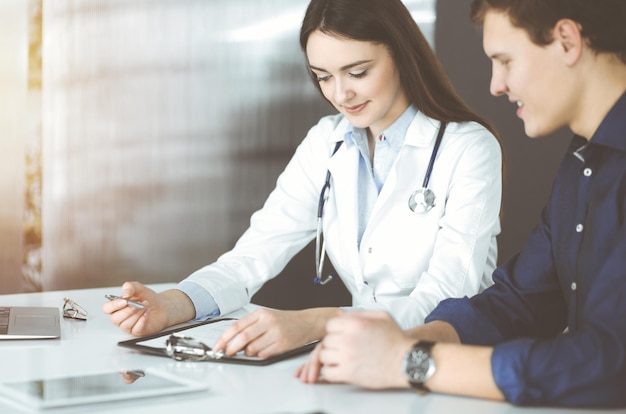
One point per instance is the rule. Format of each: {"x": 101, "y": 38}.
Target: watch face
{"x": 419, "y": 365}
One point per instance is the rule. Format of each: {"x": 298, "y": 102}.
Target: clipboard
{"x": 206, "y": 332}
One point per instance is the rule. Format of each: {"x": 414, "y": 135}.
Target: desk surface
{"x": 91, "y": 346}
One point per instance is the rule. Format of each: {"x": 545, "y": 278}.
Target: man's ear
{"x": 567, "y": 34}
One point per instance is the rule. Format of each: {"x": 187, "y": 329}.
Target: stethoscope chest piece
{"x": 422, "y": 200}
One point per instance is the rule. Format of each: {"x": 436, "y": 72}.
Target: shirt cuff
{"x": 508, "y": 365}
{"x": 203, "y": 301}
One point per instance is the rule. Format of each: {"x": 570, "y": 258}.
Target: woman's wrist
{"x": 179, "y": 308}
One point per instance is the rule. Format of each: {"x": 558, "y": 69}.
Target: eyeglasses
{"x": 73, "y": 310}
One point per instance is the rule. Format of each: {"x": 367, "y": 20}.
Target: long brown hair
{"x": 388, "y": 22}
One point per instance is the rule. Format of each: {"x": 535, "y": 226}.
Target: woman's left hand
{"x": 267, "y": 332}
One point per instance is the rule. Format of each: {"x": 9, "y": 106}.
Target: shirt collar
{"x": 395, "y": 133}
{"x": 612, "y": 130}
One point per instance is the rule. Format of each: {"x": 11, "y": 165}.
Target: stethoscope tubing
{"x": 319, "y": 250}
{"x": 325, "y": 188}
{"x": 433, "y": 155}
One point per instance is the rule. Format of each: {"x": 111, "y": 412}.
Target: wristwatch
{"x": 419, "y": 364}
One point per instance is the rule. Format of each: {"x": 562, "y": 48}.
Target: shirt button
{"x": 573, "y": 286}
{"x": 369, "y": 250}
{"x": 579, "y": 228}
{"x": 587, "y": 172}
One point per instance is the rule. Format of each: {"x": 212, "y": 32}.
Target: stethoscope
{"x": 320, "y": 242}
{"x": 421, "y": 201}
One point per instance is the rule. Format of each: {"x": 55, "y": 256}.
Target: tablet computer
{"x": 95, "y": 388}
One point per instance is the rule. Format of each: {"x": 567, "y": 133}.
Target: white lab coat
{"x": 407, "y": 262}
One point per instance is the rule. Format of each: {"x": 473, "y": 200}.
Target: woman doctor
{"x": 411, "y": 214}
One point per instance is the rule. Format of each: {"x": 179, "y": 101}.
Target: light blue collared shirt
{"x": 372, "y": 177}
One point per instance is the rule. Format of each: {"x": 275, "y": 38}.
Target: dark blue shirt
{"x": 572, "y": 274}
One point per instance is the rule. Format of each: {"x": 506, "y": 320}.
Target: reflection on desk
{"x": 91, "y": 347}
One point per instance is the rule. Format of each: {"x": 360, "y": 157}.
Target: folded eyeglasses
{"x": 73, "y": 310}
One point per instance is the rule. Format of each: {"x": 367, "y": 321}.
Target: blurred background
{"x": 137, "y": 136}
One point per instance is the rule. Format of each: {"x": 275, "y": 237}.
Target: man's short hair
{"x": 602, "y": 22}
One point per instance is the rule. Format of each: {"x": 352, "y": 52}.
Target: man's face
{"x": 534, "y": 77}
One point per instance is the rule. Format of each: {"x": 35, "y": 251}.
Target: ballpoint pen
{"x": 131, "y": 303}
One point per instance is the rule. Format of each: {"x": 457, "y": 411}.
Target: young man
{"x": 552, "y": 329}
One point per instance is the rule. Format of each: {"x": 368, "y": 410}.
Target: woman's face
{"x": 359, "y": 78}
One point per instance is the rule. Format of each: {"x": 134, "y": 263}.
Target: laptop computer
{"x": 29, "y": 322}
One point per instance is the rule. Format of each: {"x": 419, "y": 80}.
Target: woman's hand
{"x": 266, "y": 332}
{"x": 160, "y": 310}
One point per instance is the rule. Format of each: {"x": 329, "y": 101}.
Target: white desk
{"x": 91, "y": 346}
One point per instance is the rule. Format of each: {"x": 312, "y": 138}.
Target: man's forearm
{"x": 437, "y": 331}
{"x": 463, "y": 370}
